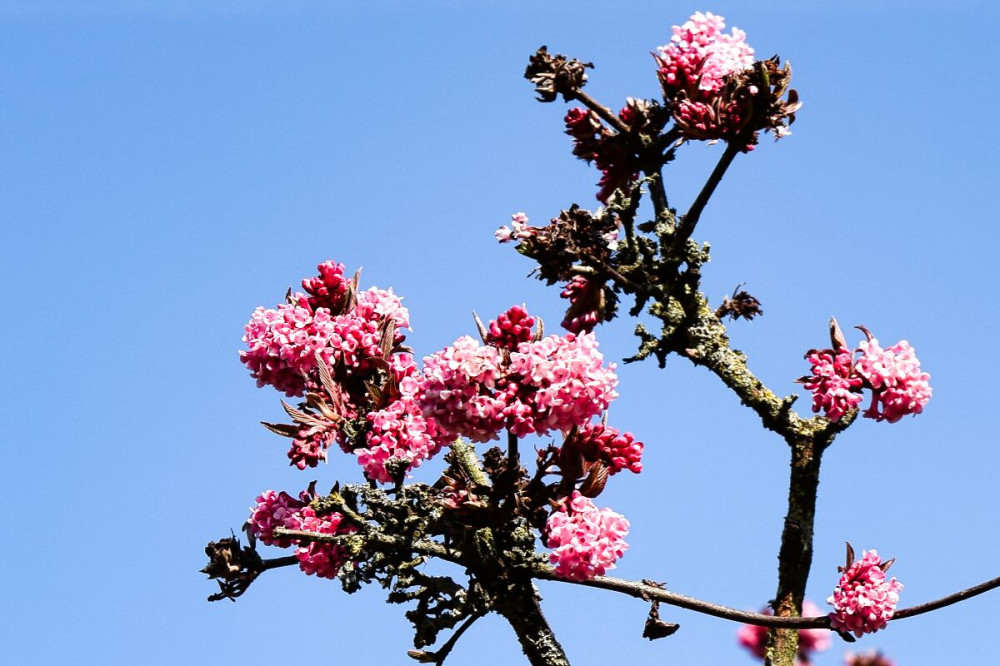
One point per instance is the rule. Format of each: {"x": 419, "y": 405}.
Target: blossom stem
{"x": 278, "y": 562}
{"x": 604, "y": 112}
{"x": 690, "y": 220}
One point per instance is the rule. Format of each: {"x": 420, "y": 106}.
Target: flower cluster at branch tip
{"x": 898, "y": 385}
{"x": 715, "y": 89}
{"x": 284, "y": 342}
{"x": 585, "y": 541}
{"x": 369, "y": 402}
{"x": 701, "y": 55}
{"x": 864, "y": 599}
{"x": 556, "y": 383}
{"x": 282, "y": 510}
{"x": 753, "y": 637}
{"x": 893, "y": 376}
{"x": 869, "y": 658}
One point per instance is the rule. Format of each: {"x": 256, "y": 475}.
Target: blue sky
{"x": 165, "y": 167}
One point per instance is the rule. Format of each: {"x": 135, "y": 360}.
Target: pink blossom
{"x": 864, "y": 601}
{"x": 378, "y": 305}
{"x": 700, "y": 56}
{"x": 309, "y": 447}
{"x": 615, "y": 449}
{"x": 753, "y": 637}
{"x": 585, "y": 541}
{"x": 322, "y": 559}
{"x": 557, "y": 383}
{"x": 328, "y": 289}
{"x": 835, "y": 386}
{"x": 520, "y": 230}
{"x": 898, "y": 386}
{"x": 551, "y": 384}
{"x": 511, "y": 328}
{"x": 457, "y": 389}
{"x": 273, "y": 510}
{"x": 282, "y": 510}
{"x": 283, "y": 342}
{"x": 398, "y": 431}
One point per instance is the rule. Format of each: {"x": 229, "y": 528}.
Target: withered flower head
{"x": 741, "y": 305}
{"x": 233, "y": 566}
{"x": 576, "y": 236}
{"x": 556, "y": 74}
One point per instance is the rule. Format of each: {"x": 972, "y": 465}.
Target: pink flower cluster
{"x": 706, "y": 79}
{"x": 834, "y": 384}
{"x": 511, "y": 328}
{"x": 615, "y": 449}
{"x": 700, "y": 56}
{"x": 309, "y": 447}
{"x": 282, "y": 510}
{"x": 753, "y": 637}
{"x": 898, "y": 386}
{"x": 458, "y": 389}
{"x": 585, "y": 541}
{"x": 893, "y": 376}
{"x": 399, "y": 431}
{"x": 551, "y": 384}
{"x": 283, "y": 342}
{"x": 864, "y": 600}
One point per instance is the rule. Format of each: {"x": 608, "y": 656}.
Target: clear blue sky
{"x": 165, "y": 167}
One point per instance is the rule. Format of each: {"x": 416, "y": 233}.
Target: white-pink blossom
{"x": 518, "y": 230}
{"x": 700, "y": 55}
{"x": 898, "y": 385}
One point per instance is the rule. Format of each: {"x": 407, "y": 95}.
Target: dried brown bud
{"x": 657, "y": 628}
{"x": 555, "y": 75}
{"x": 741, "y": 305}
{"x": 233, "y": 566}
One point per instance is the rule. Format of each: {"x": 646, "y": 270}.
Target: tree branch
{"x": 962, "y": 595}
{"x": 650, "y": 592}
{"x": 604, "y": 112}
{"x": 690, "y": 220}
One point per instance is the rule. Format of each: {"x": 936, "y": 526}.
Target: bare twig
{"x": 962, "y": 595}
{"x": 690, "y": 219}
{"x": 604, "y": 112}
